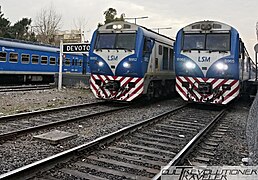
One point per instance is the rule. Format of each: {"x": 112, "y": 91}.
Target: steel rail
{"x": 45, "y": 164}
{"x": 34, "y": 128}
{"x": 19, "y": 115}
{"x": 188, "y": 148}
{"x": 25, "y": 88}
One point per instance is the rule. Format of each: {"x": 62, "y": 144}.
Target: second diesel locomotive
{"x": 211, "y": 62}
{"x": 128, "y": 61}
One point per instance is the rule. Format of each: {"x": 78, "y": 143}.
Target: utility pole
{"x": 144, "y": 17}
{"x": 162, "y": 28}
{"x": 257, "y": 30}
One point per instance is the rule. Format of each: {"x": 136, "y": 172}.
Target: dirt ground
{"x": 26, "y": 101}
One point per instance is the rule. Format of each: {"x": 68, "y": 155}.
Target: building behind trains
{"x": 27, "y": 62}
{"x": 128, "y": 61}
{"x": 211, "y": 62}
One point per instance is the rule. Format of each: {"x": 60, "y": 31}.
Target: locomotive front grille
{"x": 204, "y": 88}
{"x": 112, "y": 85}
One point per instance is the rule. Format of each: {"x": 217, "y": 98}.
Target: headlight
{"x": 126, "y": 65}
{"x": 119, "y": 26}
{"x": 100, "y": 63}
{"x": 190, "y": 65}
{"x": 221, "y": 66}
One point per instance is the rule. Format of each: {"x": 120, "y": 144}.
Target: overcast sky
{"x": 241, "y": 14}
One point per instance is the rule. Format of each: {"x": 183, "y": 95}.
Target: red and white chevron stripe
{"x": 125, "y": 93}
{"x": 217, "y": 96}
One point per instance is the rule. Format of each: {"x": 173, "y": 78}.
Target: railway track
{"x": 25, "y": 88}
{"x": 15, "y": 125}
{"x": 134, "y": 152}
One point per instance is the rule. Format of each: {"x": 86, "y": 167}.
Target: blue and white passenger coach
{"x": 211, "y": 63}
{"x": 128, "y": 60}
{"x": 27, "y": 62}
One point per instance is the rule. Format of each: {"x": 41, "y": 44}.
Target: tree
{"x": 20, "y": 30}
{"x": 4, "y": 25}
{"x": 80, "y": 24}
{"x": 110, "y": 16}
{"x": 47, "y": 23}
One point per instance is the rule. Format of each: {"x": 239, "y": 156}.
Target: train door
{"x": 147, "y": 52}
{"x": 158, "y": 58}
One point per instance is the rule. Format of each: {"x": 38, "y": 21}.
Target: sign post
{"x": 71, "y": 48}
{"x": 60, "y": 66}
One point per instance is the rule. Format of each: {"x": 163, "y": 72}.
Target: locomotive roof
{"x": 27, "y": 45}
{"x": 129, "y": 27}
{"x": 211, "y": 25}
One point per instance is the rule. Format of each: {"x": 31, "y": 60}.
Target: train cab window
{"x": 80, "y": 63}
{"x": 34, "y": 59}
{"x": 125, "y": 41}
{"x": 160, "y": 50}
{"x": 165, "y": 58}
{"x": 52, "y": 61}
{"x": 67, "y": 62}
{"x": 13, "y": 57}
{"x": 105, "y": 41}
{"x": 171, "y": 57}
{"x": 2, "y": 56}
{"x": 25, "y": 58}
{"x": 218, "y": 42}
{"x": 193, "y": 42}
{"x": 43, "y": 60}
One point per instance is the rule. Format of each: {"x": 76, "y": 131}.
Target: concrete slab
{"x": 55, "y": 137}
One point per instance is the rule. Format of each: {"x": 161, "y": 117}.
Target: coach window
{"x": 165, "y": 58}
{"x": 34, "y": 59}
{"x": 67, "y": 62}
{"x": 43, "y": 59}
{"x": 2, "y": 56}
{"x": 171, "y": 57}
{"x": 76, "y": 62}
{"x": 160, "y": 50}
{"x": 25, "y": 58}
{"x": 13, "y": 57}
{"x": 73, "y": 62}
{"x": 52, "y": 61}
{"x": 80, "y": 63}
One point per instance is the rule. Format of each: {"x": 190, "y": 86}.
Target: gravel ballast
{"x": 26, "y": 149}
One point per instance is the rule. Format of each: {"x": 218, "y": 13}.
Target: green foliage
{"x": 20, "y": 30}
{"x": 110, "y": 16}
{"x": 4, "y": 25}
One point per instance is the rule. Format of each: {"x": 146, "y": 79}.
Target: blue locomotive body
{"x": 212, "y": 64}
{"x": 128, "y": 60}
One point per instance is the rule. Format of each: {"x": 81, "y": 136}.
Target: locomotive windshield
{"x": 116, "y": 41}
{"x": 218, "y": 42}
{"x": 194, "y": 41}
{"x": 212, "y": 42}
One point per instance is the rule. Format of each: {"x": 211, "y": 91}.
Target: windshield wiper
{"x": 220, "y": 51}
{"x": 99, "y": 49}
{"x": 125, "y": 49}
